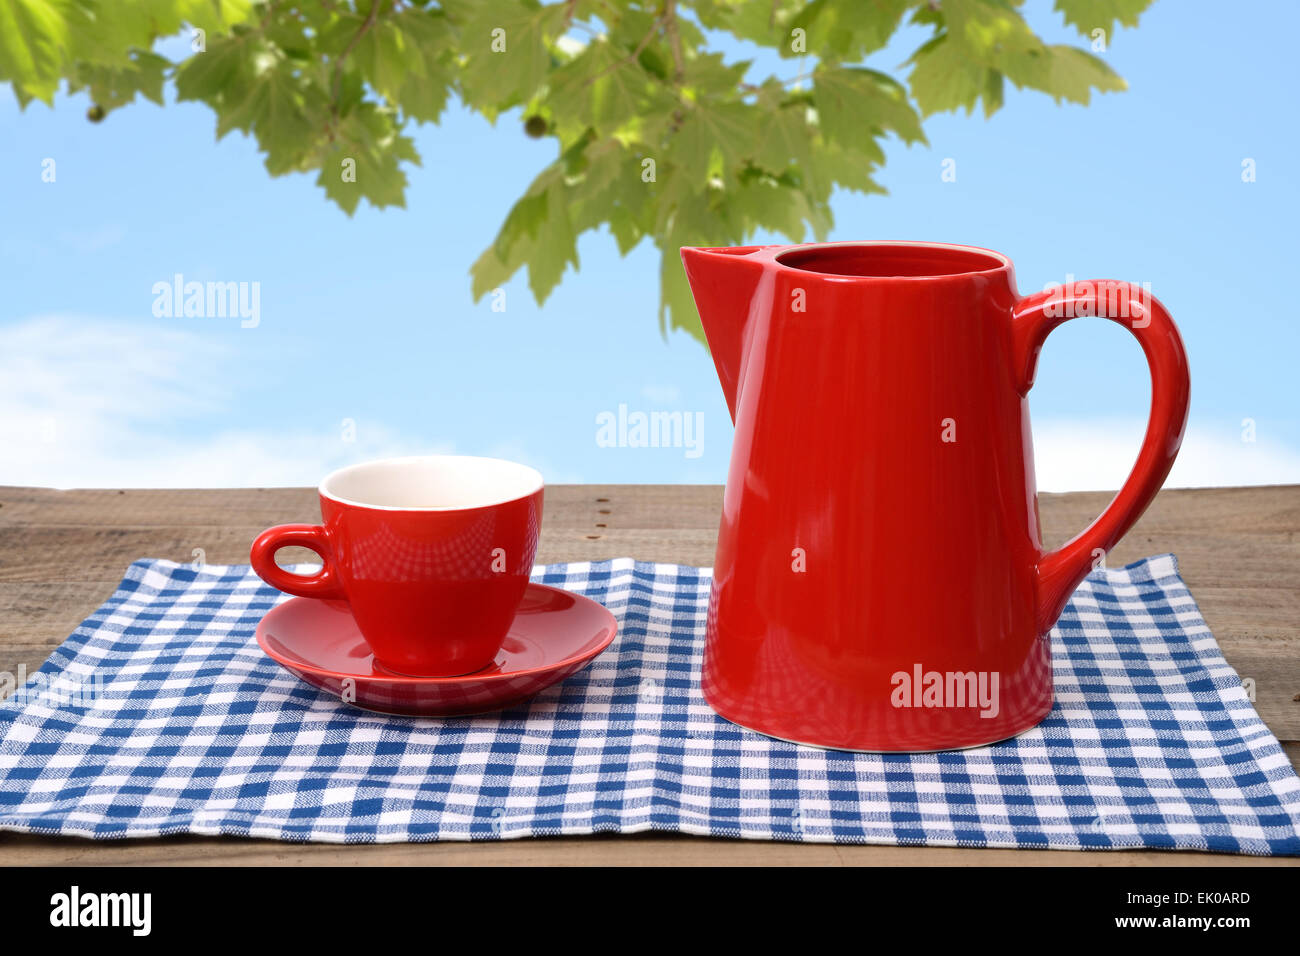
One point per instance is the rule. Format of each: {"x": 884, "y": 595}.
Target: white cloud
{"x": 1098, "y": 455}
{"x": 91, "y": 403}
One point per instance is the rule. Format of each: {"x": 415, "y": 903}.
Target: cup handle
{"x": 1034, "y": 317}
{"x": 323, "y": 584}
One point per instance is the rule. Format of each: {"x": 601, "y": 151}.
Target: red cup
{"x": 431, "y": 554}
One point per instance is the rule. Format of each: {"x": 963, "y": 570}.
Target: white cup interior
{"x": 431, "y": 483}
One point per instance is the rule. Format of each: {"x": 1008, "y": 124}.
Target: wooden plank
{"x": 101, "y": 555}
{"x": 606, "y": 850}
{"x": 62, "y": 553}
{"x": 1262, "y": 509}
{"x": 1276, "y": 678}
{"x": 567, "y": 506}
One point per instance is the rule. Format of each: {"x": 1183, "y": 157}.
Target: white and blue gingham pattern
{"x": 1152, "y": 742}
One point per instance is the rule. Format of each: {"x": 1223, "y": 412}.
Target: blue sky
{"x": 369, "y": 343}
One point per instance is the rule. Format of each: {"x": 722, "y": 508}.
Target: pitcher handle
{"x": 1034, "y": 317}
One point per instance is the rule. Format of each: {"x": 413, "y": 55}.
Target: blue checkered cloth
{"x": 1152, "y": 742}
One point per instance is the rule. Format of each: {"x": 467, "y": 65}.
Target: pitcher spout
{"x": 724, "y": 282}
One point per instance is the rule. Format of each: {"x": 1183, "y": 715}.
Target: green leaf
{"x": 33, "y": 34}
{"x": 847, "y": 30}
{"x": 985, "y": 41}
{"x": 676, "y": 304}
{"x": 831, "y": 166}
{"x": 506, "y": 52}
{"x": 537, "y": 233}
{"x": 988, "y": 30}
{"x": 285, "y": 112}
{"x": 209, "y": 15}
{"x": 403, "y": 59}
{"x": 766, "y": 23}
{"x": 1072, "y": 74}
{"x": 520, "y": 229}
{"x": 854, "y": 105}
{"x": 715, "y": 138}
{"x": 774, "y": 206}
{"x": 710, "y": 74}
{"x": 424, "y": 94}
{"x": 785, "y": 139}
{"x": 487, "y": 273}
{"x": 942, "y": 79}
{"x": 112, "y": 87}
{"x": 960, "y": 66}
{"x": 604, "y": 88}
{"x": 103, "y": 32}
{"x": 696, "y": 150}
{"x": 609, "y": 178}
{"x": 369, "y": 143}
{"x": 214, "y": 74}
{"x": 1088, "y": 15}
{"x": 255, "y": 88}
{"x": 554, "y": 247}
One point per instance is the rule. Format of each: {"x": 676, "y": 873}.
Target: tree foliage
{"x": 658, "y": 135}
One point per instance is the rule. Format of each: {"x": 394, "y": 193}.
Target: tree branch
{"x": 631, "y": 57}
{"x": 674, "y": 39}
{"x": 347, "y": 51}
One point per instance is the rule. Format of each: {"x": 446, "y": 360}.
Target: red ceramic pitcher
{"x": 880, "y": 581}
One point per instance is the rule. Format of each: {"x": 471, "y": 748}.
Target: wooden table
{"x": 63, "y": 552}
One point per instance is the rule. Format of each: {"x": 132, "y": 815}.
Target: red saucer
{"x": 555, "y": 634}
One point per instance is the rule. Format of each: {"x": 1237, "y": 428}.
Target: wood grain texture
{"x": 63, "y": 552}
